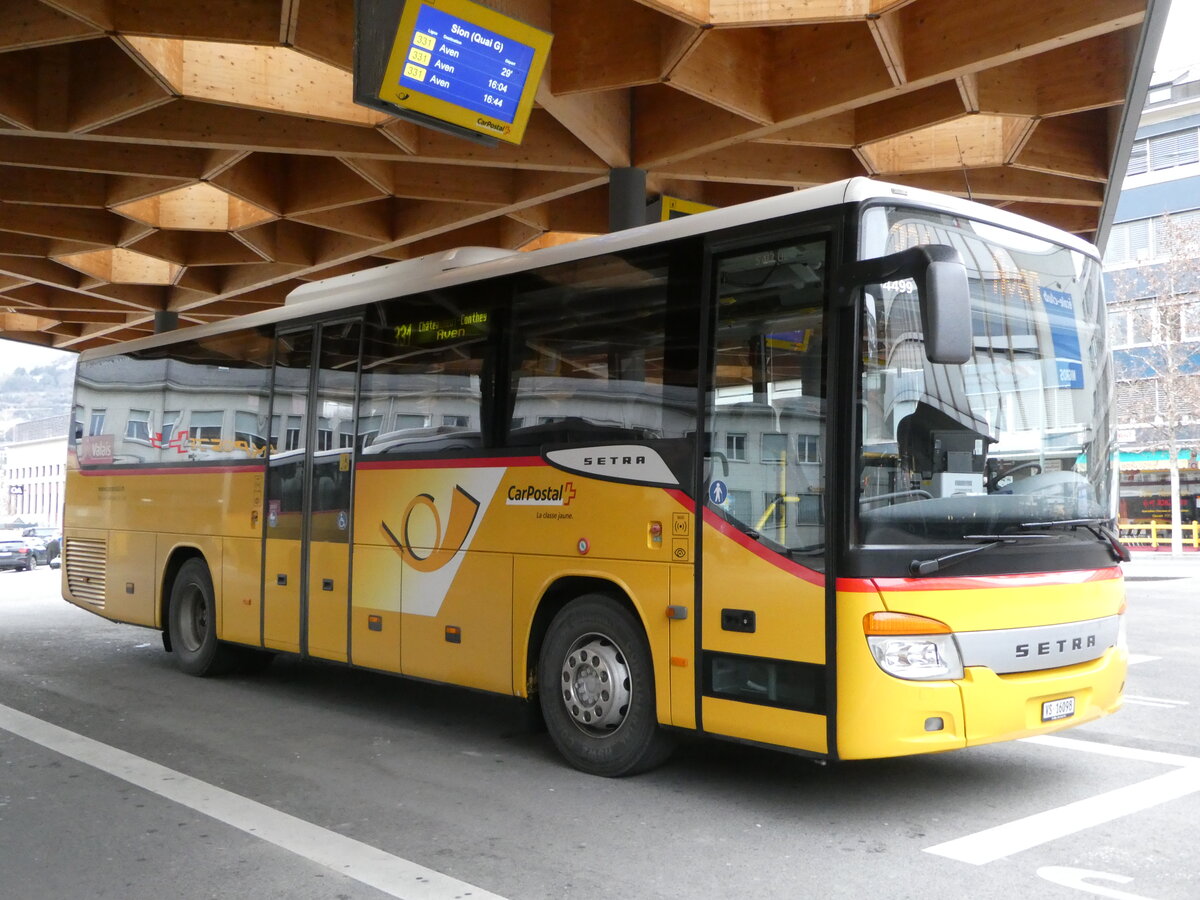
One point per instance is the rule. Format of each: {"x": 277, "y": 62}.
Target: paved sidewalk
{"x": 1150, "y": 566}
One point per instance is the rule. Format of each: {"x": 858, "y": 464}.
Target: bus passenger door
{"x": 763, "y": 663}
{"x": 309, "y": 495}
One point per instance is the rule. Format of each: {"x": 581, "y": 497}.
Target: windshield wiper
{"x": 929, "y": 566}
{"x": 1097, "y": 526}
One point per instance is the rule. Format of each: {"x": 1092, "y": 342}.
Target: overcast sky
{"x": 1179, "y": 48}
{"x": 1178, "y": 51}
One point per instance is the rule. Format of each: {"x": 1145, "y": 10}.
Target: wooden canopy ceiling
{"x": 204, "y": 156}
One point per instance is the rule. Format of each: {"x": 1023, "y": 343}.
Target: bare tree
{"x": 1154, "y": 316}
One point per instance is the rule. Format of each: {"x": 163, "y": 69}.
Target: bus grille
{"x": 85, "y": 560}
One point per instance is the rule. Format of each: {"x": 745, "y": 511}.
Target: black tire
{"x": 192, "y": 622}
{"x": 30, "y": 563}
{"x": 596, "y": 689}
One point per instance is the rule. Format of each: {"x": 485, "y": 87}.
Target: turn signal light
{"x": 883, "y": 623}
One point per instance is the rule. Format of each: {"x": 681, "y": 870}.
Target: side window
{"x": 423, "y": 374}
{"x": 604, "y": 350}
{"x": 175, "y": 402}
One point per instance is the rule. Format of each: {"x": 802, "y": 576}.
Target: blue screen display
{"x": 454, "y": 60}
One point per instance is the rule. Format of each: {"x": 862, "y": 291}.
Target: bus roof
{"x": 452, "y": 267}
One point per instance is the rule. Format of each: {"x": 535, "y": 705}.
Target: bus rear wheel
{"x": 192, "y": 623}
{"x": 596, "y": 689}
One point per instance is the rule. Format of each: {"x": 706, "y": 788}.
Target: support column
{"x": 626, "y": 198}
{"x": 165, "y": 320}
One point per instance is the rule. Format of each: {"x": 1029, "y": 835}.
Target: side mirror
{"x": 941, "y": 280}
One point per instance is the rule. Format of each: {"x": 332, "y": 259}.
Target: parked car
{"x": 21, "y": 553}
{"x": 50, "y": 537}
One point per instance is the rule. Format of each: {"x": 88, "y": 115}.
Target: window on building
{"x": 137, "y": 427}
{"x": 170, "y": 420}
{"x": 1177, "y": 148}
{"x": 808, "y": 448}
{"x": 774, "y": 448}
{"x": 735, "y": 447}
{"x": 292, "y": 435}
{"x": 1189, "y": 318}
{"x": 96, "y": 424}
{"x": 205, "y": 425}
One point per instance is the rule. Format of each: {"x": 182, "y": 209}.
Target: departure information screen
{"x": 466, "y": 65}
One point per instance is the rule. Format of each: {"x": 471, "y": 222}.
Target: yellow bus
{"x": 830, "y": 472}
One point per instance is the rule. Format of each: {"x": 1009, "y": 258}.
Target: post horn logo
{"x": 463, "y": 510}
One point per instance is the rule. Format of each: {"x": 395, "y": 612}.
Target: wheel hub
{"x": 595, "y": 684}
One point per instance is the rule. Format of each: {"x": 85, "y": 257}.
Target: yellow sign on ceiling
{"x": 466, "y": 65}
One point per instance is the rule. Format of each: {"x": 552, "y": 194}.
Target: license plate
{"x": 1052, "y": 710}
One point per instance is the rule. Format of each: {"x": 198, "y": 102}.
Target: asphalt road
{"x": 120, "y": 777}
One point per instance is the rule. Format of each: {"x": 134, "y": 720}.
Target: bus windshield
{"x": 1016, "y": 441}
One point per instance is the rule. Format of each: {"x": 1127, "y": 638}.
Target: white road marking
{"x": 338, "y": 853}
{"x": 1004, "y": 840}
{"x": 1135, "y": 658}
{"x": 1158, "y": 702}
{"x": 1077, "y": 878}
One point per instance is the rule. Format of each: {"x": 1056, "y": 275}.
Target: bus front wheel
{"x": 192, "y": 622}
{"x": 596, "y": 689}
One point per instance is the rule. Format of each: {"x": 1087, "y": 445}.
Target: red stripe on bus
{"x": 193, "y": 469}
{"x": 976, "y": 583}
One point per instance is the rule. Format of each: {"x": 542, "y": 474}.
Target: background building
{"x": 1152, "y": 260}
{"x": 34, "y": 470}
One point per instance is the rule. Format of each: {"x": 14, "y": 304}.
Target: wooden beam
{"x": 1081, "y": 220}
{"x": 784, "y": 12}
{"x": 240, "y": 21}
{"x": 194, "y": 123}
{"x": 600, "y": 120}
{"x": 1007, "y": 184}
{"x": 547, "y": 145}
{"x": 889, "y": 38}
{"x": 264, "y": 77}
{"x": 438, "y": 181}
{"x": 325, "y": 31}
{"x": 84, "y": 190}
{"x": 837, "y": 130}
{"x": 372, "y": 221}
{"x": 604, "y": 45}
{"x": 196, "y": 248}
{"x": 259, "y": 179}
{"x": 947, "y": 37}
{"x": 731, "y": 70}
{"x": 966, "y": 142}
{"x": 908, "y": 112}
{"x": 91, "y": 155}
{"x": 286, "y": 242}
{"x": 125, "y": 89}
{"x": 1077, "y": 145}
{"x": 87, "y": 226}
{"x": 832, "y": 67}
{"x": 97, "y": 14}
{"x": 19, "y": 99}
{"x": 37, "y": 25}
{"x": 769, "y": 164}
{"x": 315, "y": 183}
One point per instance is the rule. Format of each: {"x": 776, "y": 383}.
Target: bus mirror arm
{"x": 941, "y": 280}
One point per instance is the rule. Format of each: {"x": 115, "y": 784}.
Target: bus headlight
{"x": 913, "y": 647}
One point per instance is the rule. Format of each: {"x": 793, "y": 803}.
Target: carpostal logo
{"x": 532, "y": 495}
{"x": 492, "y": 125}
{"x": 463, "y": 510}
